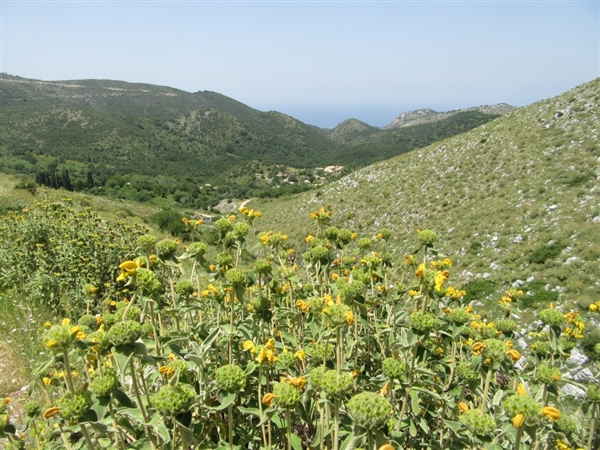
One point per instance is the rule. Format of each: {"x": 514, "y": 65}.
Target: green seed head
{"x": 465, "y": 372}
{"x": 58, "y": 338}
{"x": 478, "y": 422}
{"x": 147, "y": 242}
{"x": 495, "y": 349}
{"x": 173, "y": 400}
{"x": 336, "y": 385}
{"x": 230, "y": 378}
{"x": 103, "y": 385}
{"x": 126, "y": 332}
{"x": 421, "y": 322}
{"x": 552, "y": 317}
{"x": 73, "y": 407}
{"x": 88, "y": 320}
{"x": 547, "y": 374}
{"x": 32, "y": 408}
{"x": 286, "y": 359}
{"x": 146, "y": 280}
{"x": 369, "y": 410}
{"x": 166, "y": 249}
{"x": 566, "y": 424}
{"x": 184, "y": 288}
{"x": 427, "y": 237}
{"x": 197, "y": 250}
{"x": 506, "y": 325}
{"x": 236, "y": 277}
{"x": 286, "y": 395}
{"x": 393, "y": 368}
{"x": 459, "y": 316}
{"x": 316, "y": 378}
{"x": 336, "y": 314}
{"x": 523, "y": 404}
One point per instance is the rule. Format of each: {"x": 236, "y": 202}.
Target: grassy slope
{"x": 494, "y": 195}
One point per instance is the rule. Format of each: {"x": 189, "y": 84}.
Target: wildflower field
{"x": 248, "y": 343}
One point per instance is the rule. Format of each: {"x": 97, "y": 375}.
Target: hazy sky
{"x": 319, "y": 61}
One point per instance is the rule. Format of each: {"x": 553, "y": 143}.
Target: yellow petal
{"x": 51, "y": 412}
{"x": 518, "y": 420}
{"x": 551, "y": 412}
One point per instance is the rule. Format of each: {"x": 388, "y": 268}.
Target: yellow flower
{"x": 420, "y": 270}
{"x": 270, "y": 343}
{"x": 349, "y": 317}
{"x": 518, "y": 420}
{"x": 300, "y": 354}
{"x": 385, "y": 389}
{"x": 386, "y": 447}
{"x": 440, "y": 351}
{"x": 168, "y": 371}
{"x": 298, "y": 382}
{"x": 6, "y": 401}
{"x": 51, "y": 343}
{"x": 521, "y": 389}
{"x": 232, "y": 217}
{"x": 243, "y": 210}
{"x": 477, "y": 348}
{"x": 248, "y": 346}
{"x": 551, "y": 412}
{"x": 46, "y": 381}
{"x": 51, "y": 412}
{"x": 47, "y": 324}
{"x": 128, "y": 268}
{"x": 463, "y": 407}
{"x": 303, "y": 305}
{"x": 514, "y": 355}
{"x": 268, "y": 399}
{"x": 66, "y": 321}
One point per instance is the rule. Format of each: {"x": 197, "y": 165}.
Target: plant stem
{"x": 230, "y": 422}
{"x": 289, "y": 428}
{"x": 336, "y": 430}
{"x": 486, "y": 388}
{"x": 518, "y": 438}
{"x": 87, "y": 437}
{"x": 592, "y": 427}
{"x": 138, "y": 397}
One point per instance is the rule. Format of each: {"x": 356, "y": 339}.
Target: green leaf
{"x": 497, "y": 398}
{"x": 226, "y": 399}
{"x": 296, "y": 442}
{"x": 253, "y": 411}
{"x": 187, "y": 435}
{"x": 412, "y": 428}
{"x": 351, "y": 442}
{"x": 123, "y": 398}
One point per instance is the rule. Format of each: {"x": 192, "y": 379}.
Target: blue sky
{"x": 321, "y": 62}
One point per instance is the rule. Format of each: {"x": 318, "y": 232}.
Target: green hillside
{"x": 517, "y": 198}
{"x": 153, "y": 143}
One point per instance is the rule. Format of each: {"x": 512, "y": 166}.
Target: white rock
{"x": 517, "y": 284}
{"x": 584, "y": 375}
{"x": 522, "y": 344}
{"x": 577, "y": 358}
{"x": 520, "y": 364}
{"x": 570, "y": 390}
{"x": 530, "y": 279}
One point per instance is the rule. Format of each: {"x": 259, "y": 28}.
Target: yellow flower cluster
{"x": 128, "y": 268}
{"x": 595, "y": 306}
{"x": 250, "y": 214}
{"x": 210, "y": 290}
